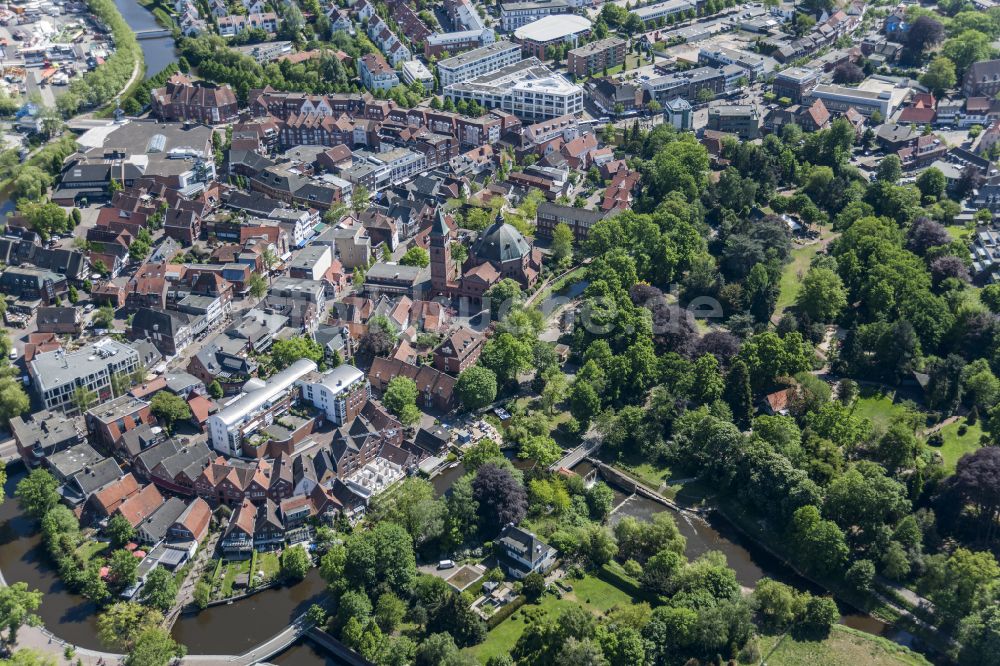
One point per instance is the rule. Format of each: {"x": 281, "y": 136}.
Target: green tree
{"x": 400, "y": 398}
{"x": 940, "y": 75}
{"x": 979, "y": 636}
{"x": 600, "y": 500}
{"x": 389, "y": 612}
{"x": 123, "y": 569}
{"x": 37, "y": 493}
{"x": 562, "y": 244}
{"x": 416, "y": 256}
{"x": 257, "y": 285}
{"x": 215, "y": 389}
{"x": 483, "y": 451}
{"x": 13, "y": 399}
{"x": 17, "y": 608}
{"x": 202, "y": 594}
{"x": 476, "y": 387}
{"x": 889, "y": 170}
{"x": 360, "y": 198}
{"x": 154, "y": 647}
{"x": 584, "y": 403}
{"x": 169, "y": 408}
{"x": 415, "y": 506}
{"x": 738, "y": 395}
{"x": 83, "y": 398}
{"x": 533, "y": 585}
{"x": 105, "y": 317}
{"x": 159, "y": 590}
{"x": 506, "y": 356}
{"x": 119, "y": 531}
{"x": 504, "y": 297}
{"x": 286, "y": 352}
{"x": 966, "y": 48}
{"x": 822, "y": 296}
{"x": 295, "y": 563}
{"x": 932, "y": 183}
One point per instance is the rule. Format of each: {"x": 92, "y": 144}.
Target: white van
{"x": 446, "y": 564}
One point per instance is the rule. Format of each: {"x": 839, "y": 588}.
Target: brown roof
{"x": 778, "y": 400}
{"x": 149, "y": 388}
{"x": 244, "y": 518}
{"x": 195, "y": 518}
{"x": 201, "y": 407}
{"x": 111, "y": 496}
{"x": 142, "y": 505}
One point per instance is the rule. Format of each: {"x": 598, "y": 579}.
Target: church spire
{"x": 440, "y": 227}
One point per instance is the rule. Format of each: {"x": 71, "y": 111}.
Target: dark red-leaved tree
{"x": 976, "y": 484}
{"x": 501, "y": 497}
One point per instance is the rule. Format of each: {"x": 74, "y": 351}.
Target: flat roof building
{"x": 537, "y": 36}
{"x": 414, "y": 70}
{"x": 515, "y": 14}
{"x": 662, "y": 10}
{"x": 478, "y": 62}
{"x": 57, "y": 374}
{"x": 871, "y": 96}
{"x": 527, "y": 89}
{"x": 256, "y": 408}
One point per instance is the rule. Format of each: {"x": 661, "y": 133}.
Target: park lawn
{"x": 632, "y": 60}
{"x": 660, "y": 478}
{"x": 843, "y": 646}
{"x": 879, "y": 408}
{"x": 589, "y": 592}
{"x": 955, "y": 445}
{"x": 956, "y": 231}
{"x": 791, "y": 277}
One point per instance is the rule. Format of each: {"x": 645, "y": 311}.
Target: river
{"x": 158, "y": 52}
{"x": 744, "y": 556}
{"x": 227, "y": 629}
{"x": 237, "y": 627}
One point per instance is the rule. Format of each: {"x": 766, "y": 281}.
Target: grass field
{"x": 589, "y": 592}
{"x": 632, "y": 60}
{"x": 955, "y": 445}
{"x": 842, "y": 647}
{"x": 232, "y": 569}
{"x": 269, "y": 564}
{"x": 791, "y": 277}
{"x": 879, "y": 408}
{"x": 89, "y": 549}
{"x": 956, "y": 231}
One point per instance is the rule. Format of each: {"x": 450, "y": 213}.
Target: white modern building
{"x": 838, "y": 99}
{"x": 256, "y": 408}
{"x": 414, "y": 70}
{"x": 478, "y": 62}
{"x": 661, "y": 10}
{"x": 340, "y": 393}
{"x": 528, "y": 89}
{"x": 58, "y": 374}
{"x": 515, "y": 14}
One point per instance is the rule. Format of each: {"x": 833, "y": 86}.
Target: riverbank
{"x": 843, "y": 646}
{"x": 878, "y": 615}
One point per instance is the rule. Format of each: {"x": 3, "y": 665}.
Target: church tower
{"x": 443, "y": 270}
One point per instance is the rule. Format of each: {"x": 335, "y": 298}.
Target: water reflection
{"x": 227, "y": 629}
{"x": 158, "y": 52}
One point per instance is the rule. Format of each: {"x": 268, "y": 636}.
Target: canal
{"x": 226, "y": 629}
{"x": 159, "y": 52}
{"x": 237, "y": 627}
{"x": 743, "y": 555}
